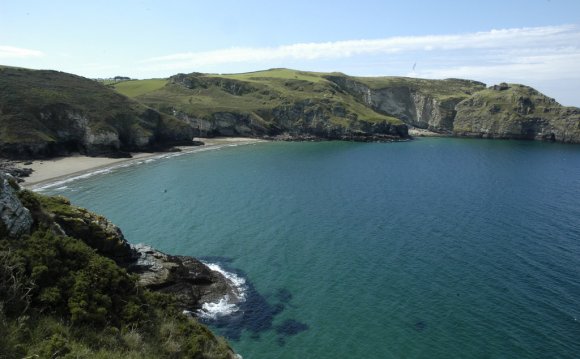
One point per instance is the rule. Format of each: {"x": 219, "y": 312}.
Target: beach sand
{"x": 49, "y": 171}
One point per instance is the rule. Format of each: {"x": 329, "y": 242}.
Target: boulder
{"x": 191, "y": 281}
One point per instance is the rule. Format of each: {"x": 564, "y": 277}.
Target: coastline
{"x": 63, "y": 169}
{"x": 420, "y": 132}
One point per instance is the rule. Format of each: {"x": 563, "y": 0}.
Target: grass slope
{"x": 134, "y": 88}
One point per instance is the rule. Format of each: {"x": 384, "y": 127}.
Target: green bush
{"x": 60, "y": 298}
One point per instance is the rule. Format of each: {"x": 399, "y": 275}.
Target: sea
{"x": 432, "y": 248}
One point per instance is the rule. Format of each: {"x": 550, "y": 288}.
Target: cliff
{"x": 270, "y": 103}
{"x": 299, "y": 104}
{"x": 50, "y": 113}
{"x": 426, "y": 104}
{"x": 70, "y": 284}
{"x": 516, "y": 111}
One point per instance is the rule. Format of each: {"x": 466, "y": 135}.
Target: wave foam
{"x": 227, "y": 305}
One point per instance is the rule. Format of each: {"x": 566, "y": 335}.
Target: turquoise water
{"x": 436, "y": 248}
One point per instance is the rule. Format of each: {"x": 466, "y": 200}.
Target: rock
{"x": 410, "y": 103}
{"x": 516, "y": 112}
{"x": 95, "y": 230}
{"x": 15, "y": 219}
{"x": 191, "y": 281}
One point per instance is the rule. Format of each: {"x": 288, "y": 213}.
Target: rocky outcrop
{"x": 330, "y": 120}
{"x": 192, "y": 282}
{"x": 225, "y": 124}
{"x": 410, "y": 102}
{"x": 188, "y": 279}
{"x": 513, "y": 111}
{"x": 15, "y": 219}
{"x": 95, "y": 230}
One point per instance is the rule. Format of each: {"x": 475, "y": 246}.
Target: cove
{"x": 438, "y": 248}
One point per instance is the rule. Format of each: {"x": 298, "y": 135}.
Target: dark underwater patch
{"x": 256, "y": 314}
{"x": 283, "y": 295}
{"x": 420, "y": 326}
{"x": 289, "y": 328}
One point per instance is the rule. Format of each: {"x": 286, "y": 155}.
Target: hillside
{"x": 266, "y": 103}
{"x": 334, "y": 105}
{"x": 72, "y": 287}
{"x": 48, "y": 113}
{"x": 516, "y": 111}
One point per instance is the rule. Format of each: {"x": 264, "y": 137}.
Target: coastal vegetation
{"x": 64, "y": 292}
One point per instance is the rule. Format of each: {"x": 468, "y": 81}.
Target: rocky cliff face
{"x": 408, "y": 102}
{"x": 293, "y": 107}
{"x": 224, "y": 124}
{"x": 15, "y": 219}
{"x": 517, "y": 112}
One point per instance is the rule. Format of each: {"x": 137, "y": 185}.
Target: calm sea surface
{"x": 436, "y": 248}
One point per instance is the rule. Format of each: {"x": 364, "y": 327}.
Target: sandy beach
{"x": 54, "y": 170}
{"x": 419, "y": 132}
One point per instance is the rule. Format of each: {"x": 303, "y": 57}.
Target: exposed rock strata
{"x": 516, "y": 112}
{"x": 412, "y": 105}
{"x": 15, "y": 219}
{"x": 281, "y": 113}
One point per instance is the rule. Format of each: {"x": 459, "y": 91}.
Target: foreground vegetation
{"x": 62, "y": 297}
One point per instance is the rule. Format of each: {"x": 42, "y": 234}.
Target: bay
{"x": 435, "y": 248}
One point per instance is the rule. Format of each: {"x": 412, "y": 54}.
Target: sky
{"x": 534, "y": 42}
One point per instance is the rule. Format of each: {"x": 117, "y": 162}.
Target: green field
{"x": 134, "y": 88}
{"x": 266, "y": 75}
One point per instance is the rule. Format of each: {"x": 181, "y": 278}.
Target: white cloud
{"x": 552, "y": 37}
{"x": 10, "y": 52}
{"x": 548, "y": 66}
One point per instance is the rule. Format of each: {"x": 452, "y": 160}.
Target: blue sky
{"x": 535, "y": 42}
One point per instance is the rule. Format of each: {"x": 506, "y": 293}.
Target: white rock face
{"x": 15, "y": 218}
{"x": 102, "y": 138}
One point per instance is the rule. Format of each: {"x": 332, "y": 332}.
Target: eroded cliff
{"x": 518, "y": 112}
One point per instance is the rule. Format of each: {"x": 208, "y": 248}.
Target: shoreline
{"x": 420, "y": 132}
{"x": 50, "y": 172}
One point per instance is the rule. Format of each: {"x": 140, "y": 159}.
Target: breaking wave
{"x": 228, "y": 304}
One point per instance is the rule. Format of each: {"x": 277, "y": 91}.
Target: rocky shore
{"x": 189, "y": 280}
